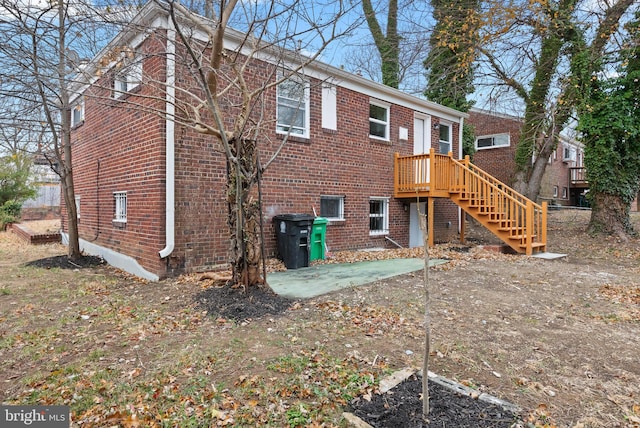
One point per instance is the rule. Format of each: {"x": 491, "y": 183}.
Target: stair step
{"x": 534, "y": 245}
{"x": 521, "y": 237}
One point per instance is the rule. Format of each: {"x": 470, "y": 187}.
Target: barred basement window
{"x": 120, "y": 214}
{"x": 378, "y": 216}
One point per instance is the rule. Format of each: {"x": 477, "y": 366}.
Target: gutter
{"x": 170, "y": 143}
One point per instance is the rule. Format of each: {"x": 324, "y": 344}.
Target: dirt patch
{"x": 558, "y": 338}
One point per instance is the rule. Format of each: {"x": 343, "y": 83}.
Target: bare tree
{"x": 527, "y": 49}
{"x": 38, "y": 65}
{"x": 221, "y": 96}
{"x": 399, "y": 40}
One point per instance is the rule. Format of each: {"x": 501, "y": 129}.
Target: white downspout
{"x": 170, "y": 143}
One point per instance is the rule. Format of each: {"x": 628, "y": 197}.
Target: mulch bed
{"x": 240, "y": 305}
{"x": 401, "y": 407}
{"x": 63, "y": 262}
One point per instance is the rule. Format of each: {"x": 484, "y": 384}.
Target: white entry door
{"x": 421, "y": 144}
{"x": 421, "y": 134}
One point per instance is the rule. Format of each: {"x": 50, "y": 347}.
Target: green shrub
{"x": 9, "y": 213}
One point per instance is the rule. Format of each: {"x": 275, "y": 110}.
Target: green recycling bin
{"x": 318, "y": 236}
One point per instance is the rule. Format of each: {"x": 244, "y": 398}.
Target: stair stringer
{"x": 516, "y": 220}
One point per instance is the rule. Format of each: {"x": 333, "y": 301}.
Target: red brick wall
{"x": 122, "y": 149}
{"x": 499, "y": 161}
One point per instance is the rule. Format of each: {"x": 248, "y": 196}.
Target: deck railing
{"x": 499, "y": 207}
{"x": 578, "y": 175}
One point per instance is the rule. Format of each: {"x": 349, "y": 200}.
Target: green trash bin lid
{"x": 320, "y": 220}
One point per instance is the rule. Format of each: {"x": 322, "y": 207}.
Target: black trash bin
{"x": 292, "y": 233}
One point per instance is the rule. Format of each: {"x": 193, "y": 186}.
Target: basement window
{"x": 378, "y": 216}
{"x": 120, "y": 214}
{"x": 332, "y": 207}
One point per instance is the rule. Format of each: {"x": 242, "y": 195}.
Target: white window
{"x": 77, "y": 113}
{"x": 332, "y": 207}
{"x": 77, "y": 206}
{"x": 555, "y": 191}
{"x": 120, "y": 214}
{"x": 491, "y": 141}
{"x": 128, "y": 78}
{"x": 445, "y": 138}
{"x": 568, "y": 154}
{"x": 378, "y": 216}
{"x": 329, "y": 107}
{"x": 379, "y": 120}
{"x": 565, "y": 193}
{"x": 293, "y": 107}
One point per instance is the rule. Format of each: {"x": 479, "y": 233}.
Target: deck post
{"x": 463, "y": 217}
{"x": 529, "y": 228}
{"x": 430, "y": 214}
{"x": 396, "y": 173}
{"x": 432, "y": 169}
{"x": 543, "y": 226}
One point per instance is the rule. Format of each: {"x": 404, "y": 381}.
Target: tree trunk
{"x": 244, "y": 215}
{"x": 610, "y": 216}
{"x": 66, "y": 166}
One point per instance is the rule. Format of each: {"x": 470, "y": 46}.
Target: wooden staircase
{"x": 516, "y": 220}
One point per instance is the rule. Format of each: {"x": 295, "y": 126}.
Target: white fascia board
{"x": 153, "y": 17}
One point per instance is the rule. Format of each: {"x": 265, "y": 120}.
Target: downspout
{"x": 170, "y": 143}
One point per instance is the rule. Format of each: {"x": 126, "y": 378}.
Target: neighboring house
{"x": 151, "y": 193}
{"x": 497, "y": 135}
{"x": 565, "y": 181}
{"x": 46, "y": 204}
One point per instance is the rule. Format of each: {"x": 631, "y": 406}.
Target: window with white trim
{"x": 555, "y": 191}
{"x": 120, "y": 213}
{"x": 568, "y": 154}
{"x": 332, "y": 207}
{"x": 445, "y": 139}
{"x": 77, "y": 113}
{"x": 492, "y": 141}
{"x": 379, "y": 120}
{"x": 77, "y": 206}
{"x": 128, "y": 78}
{"x": 293, "y": 107}
{"x": 378, "y": 216}
{"x": 565, "y": 193}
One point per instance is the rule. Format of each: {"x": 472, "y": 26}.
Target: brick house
{"x": 151, "y": 193}
{"x": 564, "y": 181}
